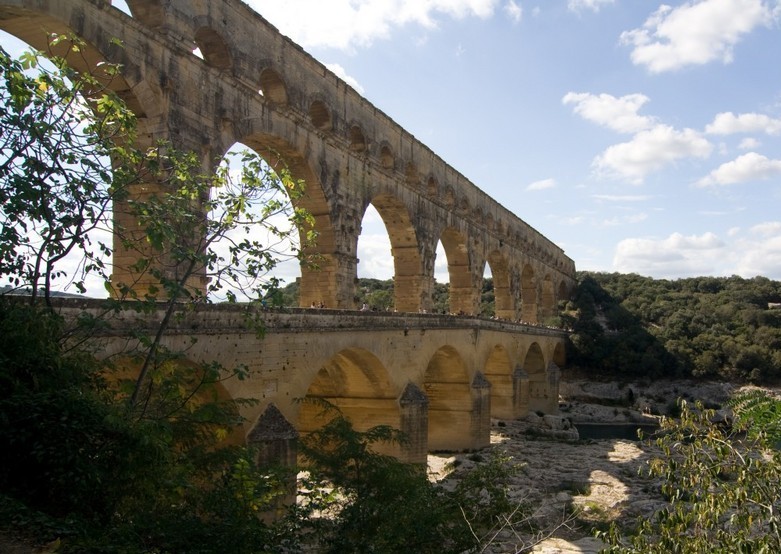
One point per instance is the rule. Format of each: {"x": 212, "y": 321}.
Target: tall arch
{"x": 320, "y": 266}
{"x": 463, "y": 295}
{"x": 407, "y": 262}
{"x": 548, "y": 297}
{"x": 528, "y": 295}
{"x": 500, "y": 273}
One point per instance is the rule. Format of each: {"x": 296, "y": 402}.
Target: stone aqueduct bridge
{"x": 251, "y": 85}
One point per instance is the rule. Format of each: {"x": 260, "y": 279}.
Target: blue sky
{"x": 638, "y": 136}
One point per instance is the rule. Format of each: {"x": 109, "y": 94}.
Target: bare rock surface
{"x": 567, "y": 487}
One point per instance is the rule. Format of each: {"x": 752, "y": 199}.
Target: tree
{"x": 103, "y": 467}
{"x": 60, "y": 131}
{"x": 721, "y": 482}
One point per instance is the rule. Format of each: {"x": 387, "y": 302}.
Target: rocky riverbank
{"x": 566, "y": 487}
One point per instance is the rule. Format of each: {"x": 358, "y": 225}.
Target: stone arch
{"x": 319, "y": 271}
{"x": 148, "y": 12}
{"x": 563, "y": 292}
{"x": 273, "y": 87}
{"x": 407, "y": 262}
{"x": 449, "y": 197}
{"x": 387, "y": 159}
{"x": 357, "y": 139}
{"x": 500, "y": 272}
{"x": 560, "y": 355}
{"x": 498, "y": 369}
{"x": 548, "y": 298}
{"x": 446, "y": 384}
{"x": 411, "y": 175}
{"x": 463, "y": 295}
{"x": 91, "y": 57}
{"x": 320, "y": 115}
{"x": 357, "y": 383}
{"x": 213, "y": 47}
{"x": 528, "y": 295}
{"x": 534, "y": 366}
{"x": 432, "y": 187}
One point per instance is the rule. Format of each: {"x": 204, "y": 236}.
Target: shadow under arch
{"x": 541, "y": 398}
{"x": 407, "y": 263}
{"x": 357, "y": 383}
{"x": 498, "y": 369}
{"x": 319, "y": 267}
{"x": 195, "y": 388}
{"x": 453, "y": 414}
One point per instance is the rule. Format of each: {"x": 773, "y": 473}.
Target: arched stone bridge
{"x": 251, "y": 85}
{"x": 440, "y": 379}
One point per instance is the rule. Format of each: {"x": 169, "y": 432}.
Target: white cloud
{"x": 756, "y": 251}
{"x": 694, "y": 33}
{"x": 748, "y": 167}
{"x": 619, "y": 114}
{"x": 594, "y": 5}
{"x": 675, "y": 256}
{"x": 340, "y": 72}
{"x": 514, "y": 11}
{"x": 650, "y": 151}
{"x": 542, "y": 185}
{"x": 346, "y": 24}
{"x": 622, "y": 197}
{"x": 623, "y": 220}
{"x": 749, "y": 143}
{"x": 728, "y": 123}
{"x": 759, "y": 253}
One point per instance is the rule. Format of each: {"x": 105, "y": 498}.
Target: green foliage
{"x": 372, "y": 502}
{"x": 705, "y": 327}
{"x": 722, "y": 488}
{"x": 76, "y": 468}
{"x": 59, "y": 129}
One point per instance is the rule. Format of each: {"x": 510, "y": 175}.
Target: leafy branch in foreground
{"x": 721, "y": 484}
{"x": 60, "y": 130}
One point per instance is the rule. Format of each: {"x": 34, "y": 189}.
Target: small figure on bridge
{"x": 364, "y": 308}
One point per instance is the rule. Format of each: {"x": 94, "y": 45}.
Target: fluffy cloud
{"x": 542, "y": 185}
{"x": 650, "y": 151}
{"x": 676, "y": 255}
{"x": 345, "y": 24}
{"x": 759, "y": 251}
{"x": 593, "y": 5}
{"x": 748, "y": 167}
{"x": 695, "y": 33}
{"x": 728, "y": 123}
{"x": 619, "y": 114}
{"x": 756, "y": 251}
{"x": 514, "y": 11}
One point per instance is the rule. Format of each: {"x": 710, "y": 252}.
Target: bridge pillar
{"x": 554, "y": 377}
{"x": 413, "y": 408}
{"x": 520, "y": 392}
{"x": 277, "y": 443}
{"x": 331, "y": 282}
{"x": 481, "y": 411}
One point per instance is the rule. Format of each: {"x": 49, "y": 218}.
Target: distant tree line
{"x": 702, "y": 327}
